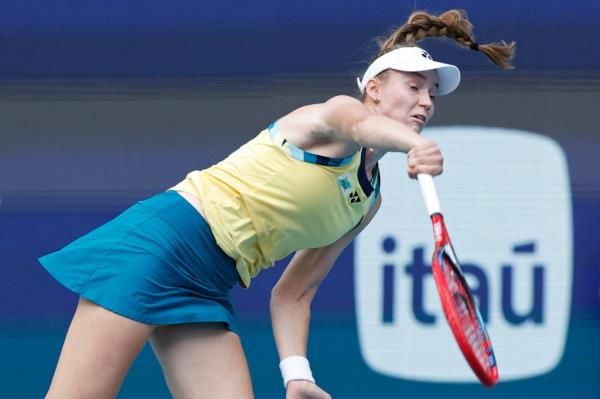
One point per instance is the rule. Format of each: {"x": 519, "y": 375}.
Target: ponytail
{"x": 452, "y": 24}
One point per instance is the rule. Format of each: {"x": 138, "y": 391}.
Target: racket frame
{"x": 487, "y": 373}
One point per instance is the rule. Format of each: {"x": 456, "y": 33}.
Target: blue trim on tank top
{"x": 303, "y": 155}
{"x": 367, "y": 186}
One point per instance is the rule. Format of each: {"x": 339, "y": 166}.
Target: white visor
{"x": 413, "y": 59}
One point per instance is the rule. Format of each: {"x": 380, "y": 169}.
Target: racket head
{"x": 462, "y": 313}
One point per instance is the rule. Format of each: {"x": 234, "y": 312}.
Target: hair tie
{"x": 474, "y": 46}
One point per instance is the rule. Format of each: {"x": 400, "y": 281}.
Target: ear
{"x": 373, "y": 90}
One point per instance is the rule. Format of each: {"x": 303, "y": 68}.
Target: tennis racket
{"x": 459, "y": 307}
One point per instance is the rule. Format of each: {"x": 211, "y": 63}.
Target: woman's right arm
{"x": 351, "y": 119}
{"x": 344, "y": 118}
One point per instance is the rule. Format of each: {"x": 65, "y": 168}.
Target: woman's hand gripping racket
{"x": 461, "y": 311}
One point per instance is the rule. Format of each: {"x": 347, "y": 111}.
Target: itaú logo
{"x": 505, "y": 196}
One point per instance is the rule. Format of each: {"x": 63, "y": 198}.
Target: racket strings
{"x": 463, "y": 316}
{"x": 467, "y": 319}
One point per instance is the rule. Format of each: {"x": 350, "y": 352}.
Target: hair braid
{"x": 453, "y": 24}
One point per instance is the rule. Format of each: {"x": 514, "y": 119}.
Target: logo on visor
{"x": 425, "y": 54}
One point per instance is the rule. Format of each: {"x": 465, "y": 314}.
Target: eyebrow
{"x": 437, "y": 86}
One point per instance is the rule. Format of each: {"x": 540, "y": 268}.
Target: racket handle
{"x": 429, "y": 194}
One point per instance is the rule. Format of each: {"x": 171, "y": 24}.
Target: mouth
{"x": 420, "y": 118}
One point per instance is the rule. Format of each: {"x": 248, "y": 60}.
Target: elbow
{"x": 285, "y": 296}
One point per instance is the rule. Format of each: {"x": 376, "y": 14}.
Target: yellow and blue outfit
{"x": 270, "y": 198}
{"x": 160, "y": 262}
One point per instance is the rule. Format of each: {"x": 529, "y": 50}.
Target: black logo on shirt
{"x": 354, "y": 198}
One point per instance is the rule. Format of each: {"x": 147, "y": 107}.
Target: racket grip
{"x": 429, "y": 193}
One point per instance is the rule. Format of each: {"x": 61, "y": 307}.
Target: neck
{"x": 373, "y": 155}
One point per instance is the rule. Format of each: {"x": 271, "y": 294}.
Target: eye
{"x": 432, "y": 97}
{"x": 413, "y": 87}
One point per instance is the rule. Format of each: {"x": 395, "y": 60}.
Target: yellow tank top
{"x": 270, "y": 198}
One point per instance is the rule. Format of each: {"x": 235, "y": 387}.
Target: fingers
{"x": 305, "y": 390}
{"x": 425, "y": 158}
{"x": 428, "y": 170}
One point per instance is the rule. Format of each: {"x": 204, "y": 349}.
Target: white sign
{"x": 505, "y": 196}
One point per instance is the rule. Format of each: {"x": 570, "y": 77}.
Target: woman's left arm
{"x": 292, "y": 295}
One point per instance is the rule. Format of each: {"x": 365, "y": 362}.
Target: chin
{"x": 417, "y": 128}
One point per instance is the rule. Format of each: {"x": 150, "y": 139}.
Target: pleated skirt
{"x": 157, "y": 263}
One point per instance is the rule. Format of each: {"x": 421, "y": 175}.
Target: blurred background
{"x": 105, "y": 103}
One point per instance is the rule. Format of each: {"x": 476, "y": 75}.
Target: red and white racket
{"x": 459, "y": 307}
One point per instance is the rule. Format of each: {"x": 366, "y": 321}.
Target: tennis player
{"x": 309, "y": 183}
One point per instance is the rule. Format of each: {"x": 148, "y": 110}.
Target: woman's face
{"x": 408, "y": 97}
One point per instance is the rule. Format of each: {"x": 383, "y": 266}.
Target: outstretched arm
{"x": 346, "y": 119}
{"x": 351, "y": 118}
{"x": 292, "y": 295}
{"x": 348, "y": 122}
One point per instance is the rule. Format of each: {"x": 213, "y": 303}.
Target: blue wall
{"x": 191, "y": 38}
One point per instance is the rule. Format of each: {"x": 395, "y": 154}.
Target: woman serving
{"x": 308, "y": 184}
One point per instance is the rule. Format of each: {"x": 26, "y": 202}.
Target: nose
{"x": 425, "y": 100}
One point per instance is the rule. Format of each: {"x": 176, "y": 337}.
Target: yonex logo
{"x": 354, "y": 197}
{"x": 513, "y": 235}
{"x": 425, "y": 54}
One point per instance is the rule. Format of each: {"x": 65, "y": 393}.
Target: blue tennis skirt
{"x": 157, "y": 263}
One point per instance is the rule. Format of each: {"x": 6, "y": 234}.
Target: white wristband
{"x": 295, "y": 368}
